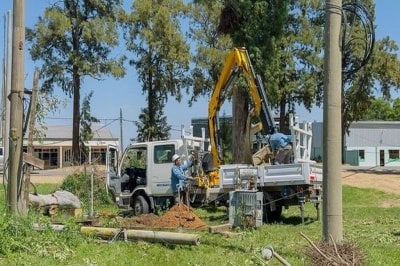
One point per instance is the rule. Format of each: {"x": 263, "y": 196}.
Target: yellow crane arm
{"x": 237, "y": 62}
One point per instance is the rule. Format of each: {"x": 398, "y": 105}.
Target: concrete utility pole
{"x": 16, "y": 112}
{"x": 332, "y": 138}
{"x": 3, "y": 82}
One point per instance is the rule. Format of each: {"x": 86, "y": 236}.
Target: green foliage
{"x": 18, "y": 237}
{"x": 161, "y": 59}
{"x": 211, "y": 46}
{"x": 72, "y": 40}
{"x": 46, "y": 104}
{"x": 380, "y": 75}
{"x": 79, "y": 185}
{"x": 148, "y": 130}
{"x": 380, "y": 109}
{"x": 86, "y": 125}
{"x": 293, "y": 74}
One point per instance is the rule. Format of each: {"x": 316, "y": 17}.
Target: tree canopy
{"x": 381, "y": 109}
{"x": 161, "y": 58}
{"x": 73, "y": 40}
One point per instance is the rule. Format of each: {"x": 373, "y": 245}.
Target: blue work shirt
{"x": 178, "y": 174}
{"x": 279, "y": 141}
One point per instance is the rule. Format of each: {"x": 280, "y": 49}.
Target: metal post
{"x": 120, "y": 129}
{"x": 91, "y": 212}
{"x": 332, "y": 138}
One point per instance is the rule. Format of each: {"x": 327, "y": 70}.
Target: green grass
{"x": 376, "y": 230}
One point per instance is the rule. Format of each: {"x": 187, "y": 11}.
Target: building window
{"x": 394, "y": 155}
{"x": 361, "y": 155}
{"x": 49, "y": 156}
{"x": 99, "y": 155}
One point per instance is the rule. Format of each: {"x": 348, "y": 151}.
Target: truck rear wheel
{"x": 272, "y": 216}
{"x": 140, "y": 205}
{"x": 269, "y": 202}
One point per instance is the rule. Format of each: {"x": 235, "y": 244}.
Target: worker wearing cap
{"x": 178, "y": 175}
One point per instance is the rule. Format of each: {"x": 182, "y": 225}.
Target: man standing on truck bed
{"x": 178, "y": 176}
{"x": 281, "y": 145}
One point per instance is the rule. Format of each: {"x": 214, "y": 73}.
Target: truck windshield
{"x": 135, "y": 158}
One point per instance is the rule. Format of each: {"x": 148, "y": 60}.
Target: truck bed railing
{"x": 241, "y": 176}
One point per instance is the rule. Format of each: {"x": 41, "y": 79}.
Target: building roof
{"x": 64, "y": 132}
{"x": 374, "y": 134}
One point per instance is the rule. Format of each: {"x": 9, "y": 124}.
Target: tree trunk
{"x": 151, "y": 110}
{"x": 282, "y": 115}
{"x": 241, "y": 145}
{"x": 76, "y": 117}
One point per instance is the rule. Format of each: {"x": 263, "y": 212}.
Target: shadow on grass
{"x": 225, "y": 246}
{"x": 296, "y": 220}
{"x": 374, "y": 170}
{"x": 210, "y": 243}
{"x": 214, "y": 218}
{"x": 396, "y": 233}
{"x": 212, "y": 209}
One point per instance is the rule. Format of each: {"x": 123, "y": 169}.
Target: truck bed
{"x": 236, "y": 175}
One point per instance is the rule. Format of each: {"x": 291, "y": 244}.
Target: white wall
{"x": 372, "y": 156}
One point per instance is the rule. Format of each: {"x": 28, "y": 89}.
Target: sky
{"x": 111, "y": 95}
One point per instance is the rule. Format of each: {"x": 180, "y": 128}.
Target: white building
{"x": 369, "y": 143}
{"x": 56, "y": 147}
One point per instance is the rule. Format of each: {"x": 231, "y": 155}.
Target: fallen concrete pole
{"x": 144, "y": 235}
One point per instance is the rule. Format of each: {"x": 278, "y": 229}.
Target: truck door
{"x": 160, "y": 173}
{"x": 111, "y": 166}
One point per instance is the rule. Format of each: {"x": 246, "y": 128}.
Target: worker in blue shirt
{"x": 281, "y": 145}
{"x": 178, "y": 176}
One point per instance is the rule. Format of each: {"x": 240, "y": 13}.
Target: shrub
{"x": 79, "y": 185}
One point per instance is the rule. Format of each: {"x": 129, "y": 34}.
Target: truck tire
{"x": 140, "y": 205}
{"x": 270, "y": 216}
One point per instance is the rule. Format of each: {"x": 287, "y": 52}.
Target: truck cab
{"x": 141, "y": 178}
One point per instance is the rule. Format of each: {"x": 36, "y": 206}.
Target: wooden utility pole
{"x": 6, "y": 91}
{"x": 31, "y": 130}
{"x": 16, "y": 111}
{"x": 332, "y": 137}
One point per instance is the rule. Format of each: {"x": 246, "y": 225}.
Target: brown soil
{"x": 385, "y": 181}
{"x": 179, "y": 216}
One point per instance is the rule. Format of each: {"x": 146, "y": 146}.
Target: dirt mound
{"x": 179, "y": 216}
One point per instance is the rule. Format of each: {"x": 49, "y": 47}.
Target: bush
{"x": 79, "y": 185}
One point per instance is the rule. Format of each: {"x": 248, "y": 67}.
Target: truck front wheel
{"x": 140, "y": 205}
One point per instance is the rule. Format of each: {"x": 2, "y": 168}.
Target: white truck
{"x": 141, "y": 179}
